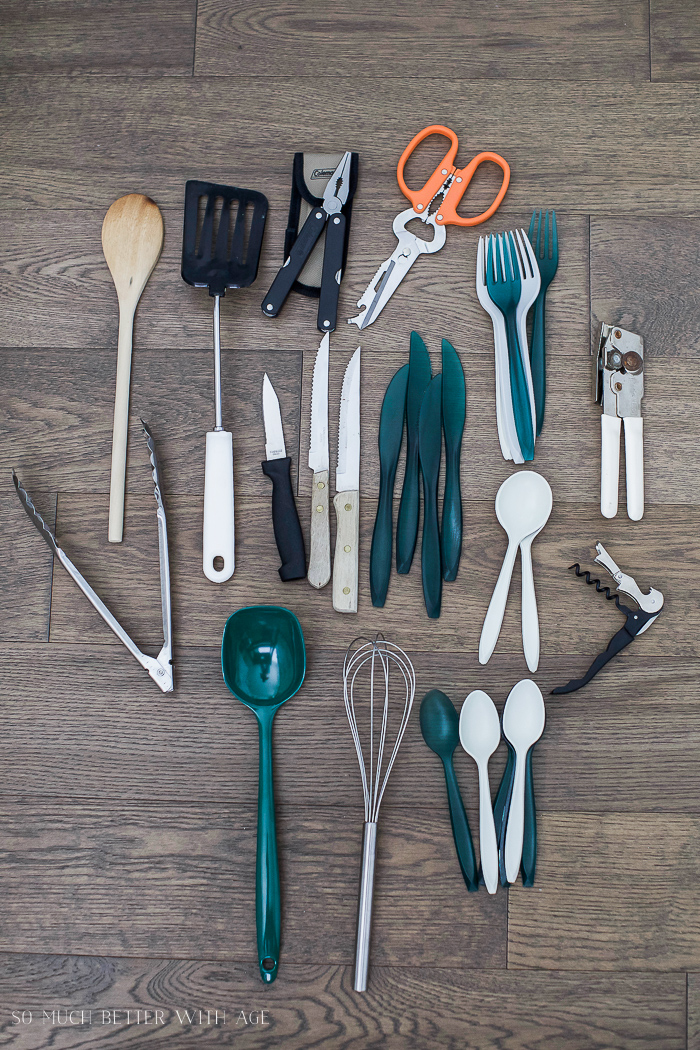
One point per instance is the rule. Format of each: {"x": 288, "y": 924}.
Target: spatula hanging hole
{"x": 218, "y": 563}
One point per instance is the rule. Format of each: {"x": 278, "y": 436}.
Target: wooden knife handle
{"x": 319, "y": 571}
{"x": 347, "y": 539}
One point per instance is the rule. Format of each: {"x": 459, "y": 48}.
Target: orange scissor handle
{"x": 447, "y": 212}
{"x": 420, "y": 199}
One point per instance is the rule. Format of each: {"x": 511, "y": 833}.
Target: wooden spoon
{"x": 132, "y": 239}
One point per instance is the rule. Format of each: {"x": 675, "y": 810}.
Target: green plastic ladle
{"x": 263, "y": 659}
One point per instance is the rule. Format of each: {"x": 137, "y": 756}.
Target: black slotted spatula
{"x": 218, "y": 255}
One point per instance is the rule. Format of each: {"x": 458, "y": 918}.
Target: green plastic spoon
{"x": 439, "y": 723}
{"x": 263, "y": 658}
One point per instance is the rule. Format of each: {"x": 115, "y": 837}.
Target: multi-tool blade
{"x": 319, "y": 572}
{"x": 277, "y": 466}
{"x": 619, "y": 389}
{"x": 160, "y": 668}
{"x": 638, "y": 621}
{"x": 347, "y": 487}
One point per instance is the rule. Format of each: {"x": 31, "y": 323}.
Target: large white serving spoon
{"x": 480, "y": 735}
{"x": 523, "y": 723}
{"x": 523, "y": 506}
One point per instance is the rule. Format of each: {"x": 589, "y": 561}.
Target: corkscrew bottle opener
{"x": 637, "y": 622}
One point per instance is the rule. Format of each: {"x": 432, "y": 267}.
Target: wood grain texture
{"x": 316, "y": 39}
{"x": 25, "y": 566}
{"x": 615, "y": 891}
{"x": 315, "y": 1006}
{"x": 693, "y": 1011}
{"x": 191, "y": 868}
{"x": 86, "y": 36}
{"x": 675, "y": 41}
{"x": 608, "y": 747}
{"x": 142, "y": 138}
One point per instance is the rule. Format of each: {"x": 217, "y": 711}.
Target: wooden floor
{"x": 127, "y": 818}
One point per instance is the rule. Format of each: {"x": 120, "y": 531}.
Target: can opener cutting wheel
{"x": 619, "y": 389}
{"x": 160, "y": 668}
{"x": 650, "y": 605}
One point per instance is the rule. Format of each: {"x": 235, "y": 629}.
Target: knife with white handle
{"x": 319, "y": 571}
{"x": 347, "y": 488}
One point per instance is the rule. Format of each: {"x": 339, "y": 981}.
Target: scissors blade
{"x": 385, "y": 282}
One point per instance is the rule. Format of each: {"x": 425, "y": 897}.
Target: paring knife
{"x": 453, "y": 416}
{"x": 347, "y": 487}
{"x": 320, "y": 556}
{"x": 390, "y": 437}
{"x": 409, "y": 508}
{"x": 430, "y": 448}
{"x": 277, "y": 466}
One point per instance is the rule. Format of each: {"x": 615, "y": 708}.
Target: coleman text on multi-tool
{"x": 447, "y": 183}
{"x": 619, "y": 389}
{"x": 159, "y": 668}
{"x": 347, "y": 492}
{"x": 637, "y": 622}
{"x": 319, "y": 572}
{"x": 331, "y": 212}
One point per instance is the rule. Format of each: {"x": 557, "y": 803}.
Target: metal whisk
{"x": 376, "y": 658}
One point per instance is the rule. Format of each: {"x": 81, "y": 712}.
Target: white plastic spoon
{"x": 480, "y": 735}
{"x": 523, "y": 506}
{"x": 523, "y": 723}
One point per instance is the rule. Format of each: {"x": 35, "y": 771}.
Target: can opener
{"x": 619, "y": 389}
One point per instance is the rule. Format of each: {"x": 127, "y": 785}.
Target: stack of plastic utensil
{"x": 507, "y": 284}
{"x": 546, "y": 248}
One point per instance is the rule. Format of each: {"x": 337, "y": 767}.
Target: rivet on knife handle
{"x": 319, "y": 572}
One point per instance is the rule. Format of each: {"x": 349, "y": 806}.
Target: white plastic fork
{"x": 505, "y": 420}
{"x": 530, "y": 281}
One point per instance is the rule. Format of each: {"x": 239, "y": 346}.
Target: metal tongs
{"x": 619, "y": 389}
{"x": 637, "y": 622}
{"x": 159, "y": 668}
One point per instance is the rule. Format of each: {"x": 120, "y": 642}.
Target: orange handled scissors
{"x": 448, "y": 183}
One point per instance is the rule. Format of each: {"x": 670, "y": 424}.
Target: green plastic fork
{"x": 547, "y": 254}
{"x": 504, "y": 289}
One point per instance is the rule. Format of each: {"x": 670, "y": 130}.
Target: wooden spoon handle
{"x": 121, "y": 427}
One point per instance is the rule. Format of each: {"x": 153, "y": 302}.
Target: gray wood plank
{"x": 73, "y": 873}
{"x": 316, "y": 39}
{"x": 693, "y": 1011}
{"x": 107, "y": 733}
{"x": 614, "y": 892}
{"x": 126, "y": 578}
{"x": 675, "y": 40}
{"x": 86, "y": 36}
{"x": 576, "y": 146}
{"x": 315, "y": 1005}
{"x": 25, "y": 566}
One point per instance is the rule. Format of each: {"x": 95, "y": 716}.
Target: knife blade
{"x": 320, "y": 555}
{"x": 347, "y": 487}
{"x": 391, "y": 425}
{"x": 409, "y": 507}
{"x": 277, "y": 467}
{"x": 430, "y": 447}
{"x": 453, "y": 417}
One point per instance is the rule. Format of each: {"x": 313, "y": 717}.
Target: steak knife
{"x": 277, "y": 467}
{"x": 347, "y": 489}
{"x": 320, "y": 555}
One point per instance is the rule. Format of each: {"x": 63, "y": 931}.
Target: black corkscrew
{"x": 636, "y": 622}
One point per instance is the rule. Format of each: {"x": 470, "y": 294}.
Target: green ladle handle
{"x": 538, "y": 361}
{"x": 460, "y": 829}
{"x": 267, "y": 876}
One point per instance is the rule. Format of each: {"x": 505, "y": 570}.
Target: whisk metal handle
{"x": 364, "y": 913}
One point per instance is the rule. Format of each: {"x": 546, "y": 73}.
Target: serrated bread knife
{"x": 347, "y": 489}
{"x": 319, "y": 572}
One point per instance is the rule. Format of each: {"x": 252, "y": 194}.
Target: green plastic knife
{"x": 453, "y": 416}
{"x": 390, "y": 437}
{"x": 430, "y": 447}
{"x": 409, "y": 509}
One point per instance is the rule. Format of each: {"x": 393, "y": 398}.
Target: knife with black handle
{"x": 409, "y": 508}
{"x": 453, "y": 416}
{"x": 430, "y": 449}
{"x": 390, "y": 438}
{"x": 285, "y": 519}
